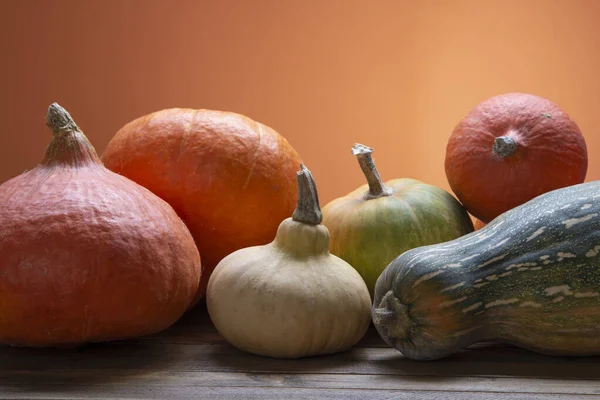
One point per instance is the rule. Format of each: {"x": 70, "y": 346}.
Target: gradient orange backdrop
{"x": 394, "y": 75}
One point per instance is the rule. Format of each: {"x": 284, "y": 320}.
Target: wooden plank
{"x": 115, "y": 381}
{"x": 260, "y": 393}
{"x": 192, "y": 360}
{"x": 224, "y": 358}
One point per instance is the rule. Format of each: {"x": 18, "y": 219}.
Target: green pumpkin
{"x": 374, "y": 224}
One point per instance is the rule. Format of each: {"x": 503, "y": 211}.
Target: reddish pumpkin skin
{"x": 478, "y": 224}
{"x": 550, "y": 154}
{"x": 231, "y": 179}
{"x": 87, "y": 255}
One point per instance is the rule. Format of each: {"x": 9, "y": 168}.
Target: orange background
{"x": 392, "y": 74}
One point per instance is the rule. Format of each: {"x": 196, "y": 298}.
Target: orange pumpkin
{"x": 231, "y": 179}
{"x": 87, "y": 255}
{"x": 510, "y": 149}
{"x": 479, "y": 224}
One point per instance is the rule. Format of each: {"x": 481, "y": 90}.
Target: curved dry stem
{"x": 308, "y": 210}
{"x": 69, "y": 145}
{"x": 365, "y": 158}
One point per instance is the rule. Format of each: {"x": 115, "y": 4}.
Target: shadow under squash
{"x": 494, "y": 359}
{"x": 32, "y": 369}
{"x": 24, "y": 369}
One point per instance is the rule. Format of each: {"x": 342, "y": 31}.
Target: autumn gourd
{"x": 87, "y": 255}
{"x": 290, "y": 298}
{"x": 378, "y": 221}
{"x": 229, "y": 178}
{"x": 510, "y": 149}
{"x": 530, "y": 278}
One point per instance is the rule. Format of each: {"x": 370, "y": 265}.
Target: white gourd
{"x": 290, "y": 298}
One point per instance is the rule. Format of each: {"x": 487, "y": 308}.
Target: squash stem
{"x": 60, "y": 121}
{"x": 308, "y": 210}
{"x": 365, "y": 158}
{"x": 504, "y": 146}
{"x": 69, "y": 146}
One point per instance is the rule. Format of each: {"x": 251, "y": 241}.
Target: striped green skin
{"x": 370, "y": 233}
{"x": 531, "y": 278}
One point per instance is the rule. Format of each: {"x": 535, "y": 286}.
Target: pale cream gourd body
{"x": 290, "y": 298}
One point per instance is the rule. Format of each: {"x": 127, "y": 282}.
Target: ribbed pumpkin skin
{"x": 530, "y": 277}
{"x": 551, "y": 154}
{"x": 231, "y": 179}
{"x": 370, "y": 233}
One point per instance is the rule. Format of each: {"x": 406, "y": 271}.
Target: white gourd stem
{"x": 308, "y": 210}
{"x": 365, "y": 158}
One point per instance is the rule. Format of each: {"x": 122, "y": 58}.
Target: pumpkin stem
{"x": 69, "y": 146}
{"x": 504, "y": 146}
{"x": 308, "y": 210}
{"x": 376, "y": 186}
{"x": 60, "y": 121}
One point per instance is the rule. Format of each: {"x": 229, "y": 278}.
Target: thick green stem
{"x": 69, "y": 145}
{"x": 308, "y": 210}
{"x": 376, "y": 186}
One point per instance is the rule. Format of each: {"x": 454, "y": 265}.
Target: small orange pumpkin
{"x": 231, "y": 179}
{"x": 510, "y": 149}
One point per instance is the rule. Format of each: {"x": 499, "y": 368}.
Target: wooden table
{"x": 191, "y": 361}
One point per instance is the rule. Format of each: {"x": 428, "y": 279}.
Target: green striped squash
{"x": 531, "y": 278}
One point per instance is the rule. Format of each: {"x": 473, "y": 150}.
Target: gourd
{"x": 529, "y": 278}
{"x": 510, "y": 149}
{"x": 378, "y": 221}
{"x": 87, "y": 255}
{"x": 290, "y": 298}
{"x": 229, "y": 178}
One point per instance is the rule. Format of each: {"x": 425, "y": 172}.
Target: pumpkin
{"x": 290, "y": 298}
{"x": 87, "y": 255}
{"x": 529, "y": 278}
{"x": 375, "y": 223}
{"x": 229, "y": 178}
{"x": 478, "y": 224}
{"x": 510, "y": 149}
